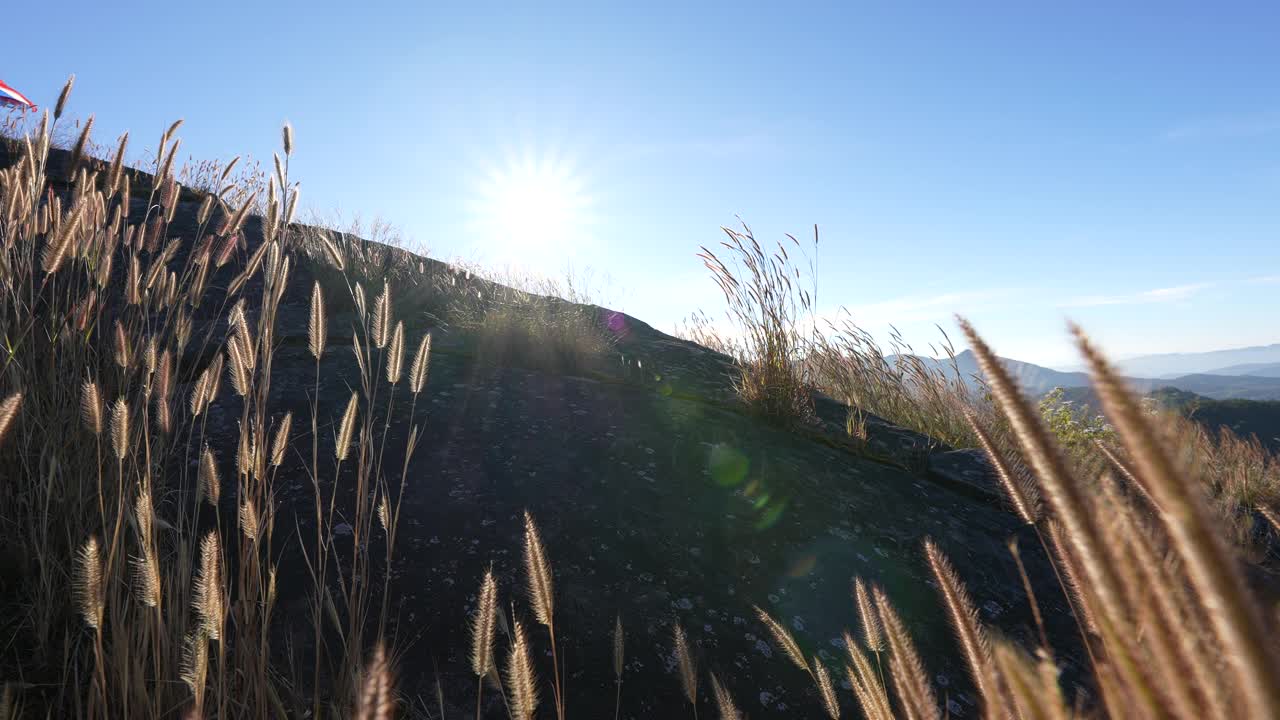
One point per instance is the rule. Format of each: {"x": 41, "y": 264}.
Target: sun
{"x": 532, "y": 205}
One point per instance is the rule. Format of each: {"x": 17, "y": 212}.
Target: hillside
{"x": 1243, "y": 417}
{"x": 658, "y": 495}
{"x": 263, "y": 469}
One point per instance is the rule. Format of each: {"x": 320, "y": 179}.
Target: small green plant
{"x": 1074, "y": 427}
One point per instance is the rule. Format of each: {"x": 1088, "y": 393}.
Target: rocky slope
{"x": 660, "y": 499}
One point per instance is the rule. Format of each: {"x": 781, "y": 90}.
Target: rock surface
{"x": 657, "y": 509}
{"x": 660, "y": 499}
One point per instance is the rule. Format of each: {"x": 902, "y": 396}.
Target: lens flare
{"x": 531, "y": 205}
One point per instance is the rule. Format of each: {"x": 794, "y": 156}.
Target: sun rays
{"x": 533, "y": 207}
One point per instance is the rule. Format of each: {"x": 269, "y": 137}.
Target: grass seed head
{"x": 9, "y": 412}
{"x": 421, "y": 363}
{"x": 522, "y": 681}
{"x": 783, "y": 637}
{"x": 724, "y": 701}
{"x": 685, "y": 664}
{"x": 347, "y": 428}
{"x": 120, "y": 428}
{"x": 317, "y": 327}
{"x": 871, "y": 634}
{"x": 91, "y": 407}
{"x": 281, "y": 442}
{"x": 209, "y": 482}
{"x": 62, "y": 98}
{"x": 538, "y": 570}
{"x": 482, "y": 628}
{"x": 88, "y": 583}
{"x": 208, "y": 586}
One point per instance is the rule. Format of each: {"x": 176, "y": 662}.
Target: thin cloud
{"x": 1146, "y": 297}
{"x": 918, "y": 308}
{"x": 1264, "y": 280}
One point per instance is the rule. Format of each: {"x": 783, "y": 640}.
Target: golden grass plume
{"x": 9, "y": 412}
{"x": 421, "y": 362}
{"x": 538, "y": 570}
{"x": 281, "y": 442}
{"x": 908, "y": 675}
{"x": 871, "y": 634}
{"x": 209, "y": 482}
{"x": 208, "y": 598}
{"x": 685, "y": 664}
{"x": 91, "y": 407}
{"x": 783, "y": 637}
{"x": 482, "y": 627}
{"x": 522, "y": 681}
{"x": 88, "y": 583}
{"x": 395, "y": 354}
{"x": 317, "y": 327}
{"x": 382, "y": 318}
{"x": 347, "y": 428}
{"x": 120, "y": 428}
{"x": 724, "y": 701}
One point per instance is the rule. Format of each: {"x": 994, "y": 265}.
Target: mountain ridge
{"x": 1178, "y": 364}
{"x": 1254, "y": 369}
{"x": 1038, "y": 380}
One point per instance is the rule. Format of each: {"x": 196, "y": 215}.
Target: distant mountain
{"x": 1222, "y": 387}
{"x": 1257, "y": 369}
{"x": 1179, "y": 364}
{"x": 1036, "y": 380}
{"x": 1033, "y": 378}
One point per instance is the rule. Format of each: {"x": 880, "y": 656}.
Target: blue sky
{"x": 1115, "y": 163}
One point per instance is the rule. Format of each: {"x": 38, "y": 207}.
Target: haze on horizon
{"x": 1119, "y": 166}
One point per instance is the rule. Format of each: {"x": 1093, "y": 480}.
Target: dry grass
{"x": 1172, "y": 629}
{"x": 544, "y": 334}
{"x": 783, "y": 354}
{"x": 345, "y": 254}
{"x": 724, "y": 701}
{"x": 505, "y": 318}
{"x": 766, "y": 336}
{"x": 524, "y": 319}
{"x": 898, "y": 385}
{"x": 173, "y": 563}
{"x": 1242, "y": 475}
